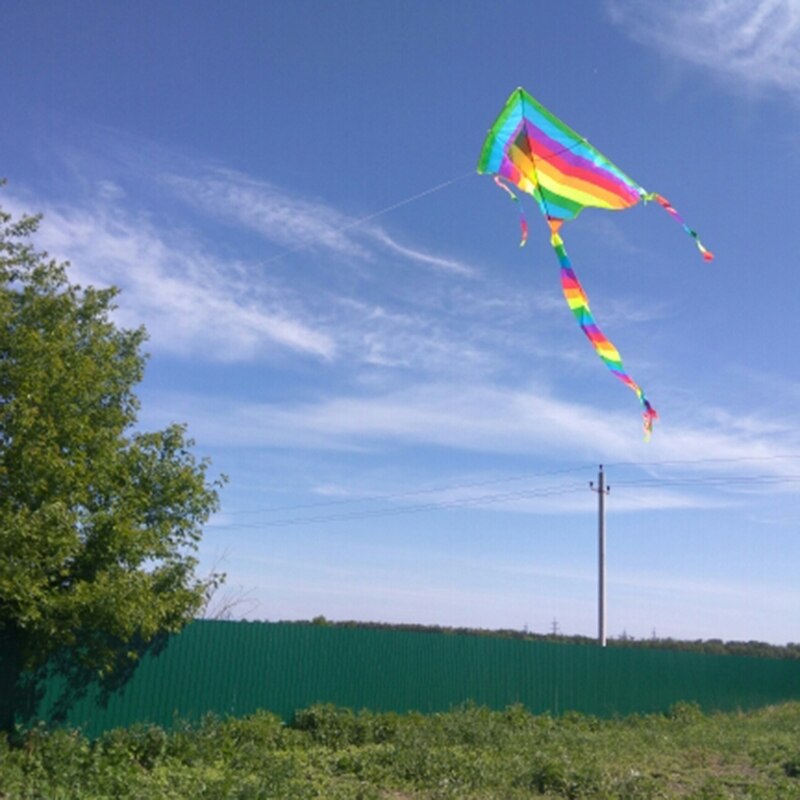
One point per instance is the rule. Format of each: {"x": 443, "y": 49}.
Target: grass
{"x": 470, "y": 753}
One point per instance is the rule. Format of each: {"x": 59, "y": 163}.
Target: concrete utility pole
{"x": 602, "y": 490}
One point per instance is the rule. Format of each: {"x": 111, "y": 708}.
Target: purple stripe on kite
{"x": 554, "y": 149}
{"x": 508, "y": 169}
{"x": 593, "y": 332}
{"x": 578, "y": 166}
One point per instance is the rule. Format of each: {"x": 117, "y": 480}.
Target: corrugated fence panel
{"x": 238, "y": 667}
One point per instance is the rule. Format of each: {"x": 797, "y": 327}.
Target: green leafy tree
{"x": 98, "y": 521}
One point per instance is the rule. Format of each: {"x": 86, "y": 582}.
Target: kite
{"x": 535, "y": 151}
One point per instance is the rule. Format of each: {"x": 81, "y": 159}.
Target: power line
{"x": 690, "y": 461}
{"x": 409, "y": 493}
{"x": 414, "y": 509}
{"x": 727, "y": 480}
{"x": 489, "y": 499}
{"x": 529, "y": 475}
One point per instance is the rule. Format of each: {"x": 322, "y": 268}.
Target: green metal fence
{"x": 238, "y": 667}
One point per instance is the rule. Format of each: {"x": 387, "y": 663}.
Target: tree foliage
{"x": 98, "y": 521}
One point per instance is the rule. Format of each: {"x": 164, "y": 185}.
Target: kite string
{"x": 369, "y": 217}
{"x": 401, "y": 203}
{"x": 578, "y": 303}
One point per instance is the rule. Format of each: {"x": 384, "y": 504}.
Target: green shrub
{"x": 142, "y": 743}
{"x": 469, "y": 753}
{"x": 689, "y": 712}
{"x": 328, "y": 725}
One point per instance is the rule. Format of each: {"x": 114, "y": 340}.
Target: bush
{"x": 470, "y": 753}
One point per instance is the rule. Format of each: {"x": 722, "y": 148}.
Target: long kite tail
{"x": 579, "y": 305}
{"x": 670, "y": 209}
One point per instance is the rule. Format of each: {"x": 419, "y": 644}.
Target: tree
{"x": 98, "y": 521}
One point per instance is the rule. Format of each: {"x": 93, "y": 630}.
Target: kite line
{"x": 374, "y": 215}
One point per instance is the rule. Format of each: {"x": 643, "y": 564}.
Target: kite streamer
{"x": 523, "y": 223}
{"x": 668, "y": 207}
{"x": 530, "y": 148}
{"x": 579, "y": 305}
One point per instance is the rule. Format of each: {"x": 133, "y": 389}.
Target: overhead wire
{"x": 498, "y": 497}
{"x": 413, "y": 509}
{"x": 711, "y": 460}
{"x": 524, "y": 476}
{"x": 410, "y": 493}
{"x": 728, "y": 480}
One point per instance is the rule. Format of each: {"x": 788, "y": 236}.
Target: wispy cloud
{"x": 287, "y": 220}
{"x": 489, "y": 419}
{"x": 687, "y": 587}
{"x": 428, "y": 259}
{"x": 197, "y": 301}
{"x": 190, "y": 301}
{"x": 416, "y": 338}
{"x": 499, "y": 588}
{"x": 297, "y": 223}
{"x": 466, "y": 417}
{"x": 203, "y": 288}
{"x": 753, "y": 44}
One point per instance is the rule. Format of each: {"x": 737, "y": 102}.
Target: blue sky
{"x": 339, "y": 309}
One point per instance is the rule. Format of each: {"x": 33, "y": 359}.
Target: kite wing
{"x": 535, "y": 151}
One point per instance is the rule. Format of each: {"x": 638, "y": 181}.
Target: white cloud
{"x": 195, "y": 304}
{"x": 438, "y": 262}
{"x": 297, "y": 223}
{"x": 190, "y": 302}
{"x": 467, "y": 417}
{"x": 499, "y": 589}
{"x": 414, "y": 338}
{"x": 654, "y": 583}
{"x": 489, "y": 419}
{"x": 755, "y": 44}
{"x": 289, "y": 221}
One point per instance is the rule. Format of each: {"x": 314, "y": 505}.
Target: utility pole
{"x": 602, "y": 490}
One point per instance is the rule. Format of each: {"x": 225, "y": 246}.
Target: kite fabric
{"x": 535, "y": 151}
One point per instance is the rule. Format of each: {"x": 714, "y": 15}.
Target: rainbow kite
{"x": 534, "y": 150}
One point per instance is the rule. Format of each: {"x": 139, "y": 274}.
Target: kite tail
{"x": 579, "y": 305}
{"x": 523, "y": 223}
{"x": 669, "y": 208}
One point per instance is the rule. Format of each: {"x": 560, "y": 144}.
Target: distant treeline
{"x": 709, "y": 646}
